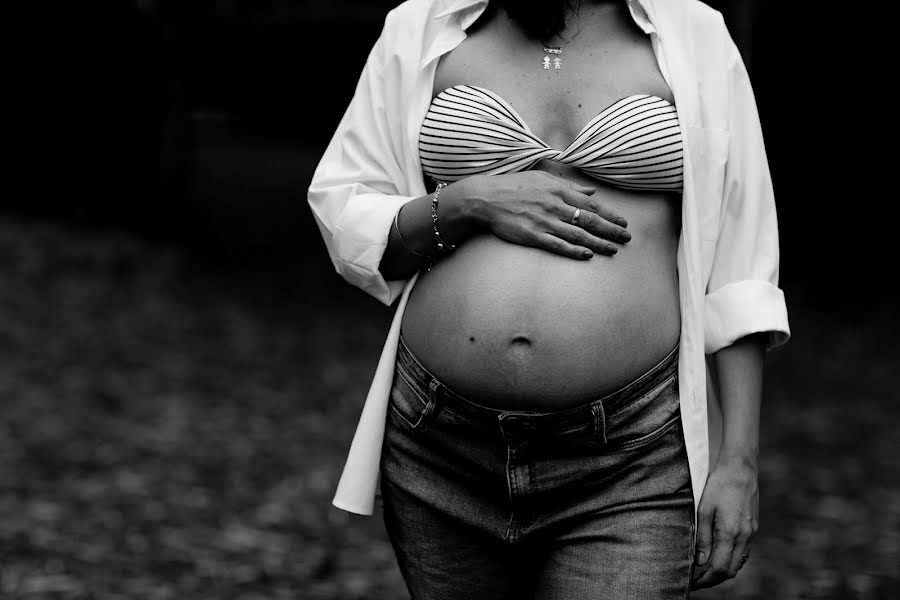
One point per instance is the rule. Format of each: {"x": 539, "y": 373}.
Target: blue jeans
{"x": 587, "y": 503}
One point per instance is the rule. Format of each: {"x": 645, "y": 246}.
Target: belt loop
{"x": 433, "y": 386}
{"x": 599, "y": 421}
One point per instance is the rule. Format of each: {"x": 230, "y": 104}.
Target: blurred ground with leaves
{"x": 173, "y": 430}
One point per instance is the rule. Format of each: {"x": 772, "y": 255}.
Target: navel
{"x": 520, "y": 347}
{"x": 520, "y": 341}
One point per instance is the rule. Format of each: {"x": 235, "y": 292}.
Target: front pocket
{"x": 407, "y": 403}
{"x": 645, "y": 419}
{"x": 648, "y": 439}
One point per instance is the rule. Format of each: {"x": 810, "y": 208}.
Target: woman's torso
{"x": 522, "y": 328}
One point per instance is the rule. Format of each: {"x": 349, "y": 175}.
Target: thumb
{"x": 704, "y": 535}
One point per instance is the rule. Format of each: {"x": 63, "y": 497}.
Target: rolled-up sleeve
{"x": 354, "y": 193}
{"x": 742, "y": 296}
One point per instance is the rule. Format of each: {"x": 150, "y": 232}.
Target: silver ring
{"x": 577, "y": 214}
{"x": 744, "y": 558}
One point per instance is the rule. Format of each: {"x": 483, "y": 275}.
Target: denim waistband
{"x": 429, "y": 386}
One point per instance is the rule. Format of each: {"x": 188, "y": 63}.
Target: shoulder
{"x": 691, "y": 18}
{"x": 702, "y": 12}
{"x": 695, "y": 11}
{"x": 697, "y": 31}
{"x": 412, "y": 13}
{"x": 407, "y": 28}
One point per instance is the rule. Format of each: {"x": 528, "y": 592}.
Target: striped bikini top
{"x": 634, "y": 144}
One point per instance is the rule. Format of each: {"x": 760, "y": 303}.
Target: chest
{"x": 604, "y": 58}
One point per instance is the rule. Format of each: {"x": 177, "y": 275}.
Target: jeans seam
{"x": 691, "y": 549}
{"x": 510, "y": 484}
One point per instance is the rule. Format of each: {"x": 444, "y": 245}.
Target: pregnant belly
{"x": 514, "y": 327}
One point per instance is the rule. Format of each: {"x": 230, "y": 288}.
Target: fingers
{"x": 704, "y": 535}
{"x": 585, "y": 201}
{"x": 591, "y": 221}
{"x": 720, "y": 560}
{"x": 582, "y": 189}
{"x": 546, "y": 218}
{"x": 594, "y": 218}
{"x": 602, "y": 228}
{"x": 741, "y": 545}
{"x": 580, "y": 237}
{"x": 579, "y": 196}
{"x": 560, "y": 246}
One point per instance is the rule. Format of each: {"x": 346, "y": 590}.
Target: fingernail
{"x": 587, "y": 254}
{"x": 701, "y": 558}
{"x": 626, "y": 236}
{"x": 622, "y": 222}
{"x": 612, "y": 249}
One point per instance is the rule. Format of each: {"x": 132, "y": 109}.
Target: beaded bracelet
{"x": 441, "y": 246}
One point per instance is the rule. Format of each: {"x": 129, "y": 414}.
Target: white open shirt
{"x": 728, "y": 249}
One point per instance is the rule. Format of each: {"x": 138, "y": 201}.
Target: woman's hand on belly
{"x": 537, "y": 209}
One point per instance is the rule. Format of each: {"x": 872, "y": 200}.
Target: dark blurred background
{"x": 182, "y": 371}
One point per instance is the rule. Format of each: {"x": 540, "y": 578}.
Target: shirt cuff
{"x": 361, "y": 238}
{"x": 742, "y": 308}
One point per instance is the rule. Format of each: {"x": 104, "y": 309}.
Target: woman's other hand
{"x": 728, "y": 517}
{"x": 535, "y": 208}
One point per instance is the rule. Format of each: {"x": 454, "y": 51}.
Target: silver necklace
{"x": 556, "y": 52}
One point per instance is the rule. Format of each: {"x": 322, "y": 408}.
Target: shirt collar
{"x": 454, "y": 6}
{"x": 640, "y": 12}
{"x": 461, "y": 14}
{"x": 637, "y": 8}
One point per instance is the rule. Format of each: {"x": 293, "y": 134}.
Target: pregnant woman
{"x": 573, "y": 204}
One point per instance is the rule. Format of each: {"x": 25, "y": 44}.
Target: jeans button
{"x": 513, "y": 426}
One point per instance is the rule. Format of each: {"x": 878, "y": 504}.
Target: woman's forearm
{"x": 740, "y": 377}
{"x": 407, "y": 249}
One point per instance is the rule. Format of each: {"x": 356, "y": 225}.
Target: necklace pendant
{"x": 557, "y": 61}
